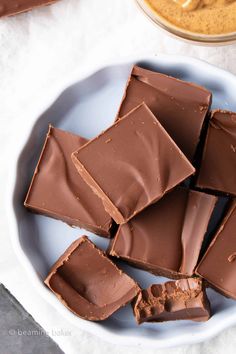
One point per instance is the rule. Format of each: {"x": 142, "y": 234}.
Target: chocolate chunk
{"x": 13, "y": 7}
{"x": 181, "y": 107}
{"x": 165, "y": 239}
{"x": 218, "y": 265}
{"x": 132, "y": 164}
{"x": 88, "y": 283}
{"x": 58, "y": 191}
{"x": 217, "y": 170}
{"x": 183, "y": 299}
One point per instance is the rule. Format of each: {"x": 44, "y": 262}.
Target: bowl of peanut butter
{"x": 202, "y": 21}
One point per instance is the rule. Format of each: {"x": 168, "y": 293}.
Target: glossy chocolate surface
{"x": 181, "y": 107}
{"x": 13, "y": 7}
{"x": 166, "y": 238}
{"x": 58, "y": 191}
{"x": 132, "y": 164}
{"x": 218, "y": 166}
{"x": 218, "y": 266}
{"x": 184, "y": 299}
{"x": 88, "y": 283}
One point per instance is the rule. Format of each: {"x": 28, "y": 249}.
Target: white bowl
{"x": 86, "y": 107}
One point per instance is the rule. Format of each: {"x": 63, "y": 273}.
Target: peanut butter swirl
{"x": 190, "y": 5}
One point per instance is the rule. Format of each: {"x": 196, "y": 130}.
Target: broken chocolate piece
{"x": 166, "y": 238}
{"x": 218, "y": 265}
{"x": 89, "y": 283}
{"x": 218, "y": 166}
{"x": 58, "y": 191}
{"x": 13, "y": 7}
{"x": 183, "y": 299}
{"x": 132, "y": 164}
{"x": 181, "y": 107}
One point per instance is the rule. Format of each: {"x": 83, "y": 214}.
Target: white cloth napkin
{"x": 38, "y": 50}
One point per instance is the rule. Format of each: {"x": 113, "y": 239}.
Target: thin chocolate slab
{"x": 181, "y": 107}
{"x": 58, "y": 191}
{"x": 218, "y": 166}
{"x": 89, "y": 283}
{"x": 218, "y": 265}
{"x": 183, "y": 299}
{"x": 13, "y": 7}
{"x": 166, "y": 238}
{"x": 132, "y": 164}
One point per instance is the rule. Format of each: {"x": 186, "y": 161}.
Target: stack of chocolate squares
{"x": 151, "y": 183}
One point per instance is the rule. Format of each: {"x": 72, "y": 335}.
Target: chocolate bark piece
{"x": 218, "y": 166}
{"x": 132, "y": 164}
{"x": 166, "y": 238}
{"x": 218, "y": 266}
{"x": 181, "y": 107}
{"x": 89, "y": 283}
{"x": 13, "y": 7}
{"x": 59, "y": 192}
{"x": 183, "y": 299}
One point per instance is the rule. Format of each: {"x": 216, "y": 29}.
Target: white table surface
{"x": 37, "y": 51}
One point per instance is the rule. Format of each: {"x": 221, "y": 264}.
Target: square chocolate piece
{"x": 13, "y": 7}
{"x": 89, "y": 283}
{"x": 132, "y": 164}
{"x": 59, "y": 192}
{"x": 218, "y": 166}
{"x": 166, "y": 238}
{"x": 218, "y": 265}
{"x": 181, "y": 107}
{"x": 183, "y": 299}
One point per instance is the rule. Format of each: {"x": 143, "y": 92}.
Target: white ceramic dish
{"x": 87, "y": 107}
